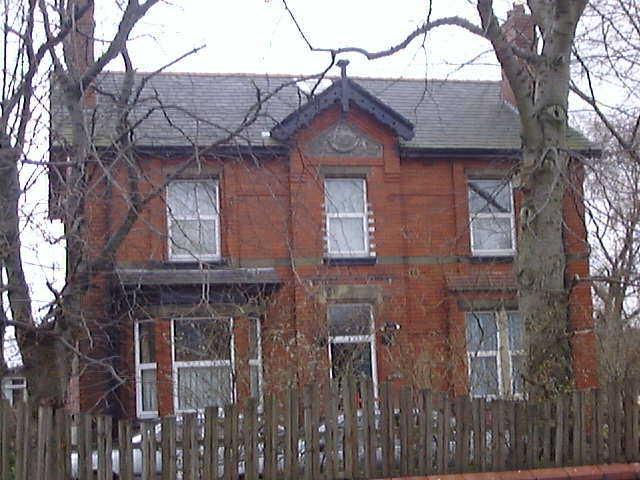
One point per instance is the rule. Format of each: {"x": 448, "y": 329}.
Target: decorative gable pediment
{"x": 345, "y": 92}
{"x": 343, "y": 140}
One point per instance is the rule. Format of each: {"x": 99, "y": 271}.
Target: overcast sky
{"x": 258, "y": 36}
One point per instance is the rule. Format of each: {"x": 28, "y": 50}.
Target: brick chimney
{"x": 79, "y": 42}
{"x": 519, "y": 30}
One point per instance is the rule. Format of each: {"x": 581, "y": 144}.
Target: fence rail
{"x": 336, "y": 434}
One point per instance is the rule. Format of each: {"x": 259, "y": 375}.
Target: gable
{"x": 345, "y": 92}
{"x": 343, "y": 139}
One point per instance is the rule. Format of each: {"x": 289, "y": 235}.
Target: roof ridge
{"x": 301, "y": 75}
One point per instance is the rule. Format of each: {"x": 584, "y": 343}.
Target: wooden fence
{"x": 308, "y": 434}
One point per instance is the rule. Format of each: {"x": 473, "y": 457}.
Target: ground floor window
{"x": 495, "y": 353}
{"x": 14, "y": 389}
{"x": 146, "y": 367}
{"x": 255, "y": 357}
{"x": 352, "y": 346}
{"x": 203, "y": 360}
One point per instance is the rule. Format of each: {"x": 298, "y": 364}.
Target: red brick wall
{"x": 272, "y": 215}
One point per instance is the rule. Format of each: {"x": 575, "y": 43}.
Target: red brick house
{"x": 368, "y": 229}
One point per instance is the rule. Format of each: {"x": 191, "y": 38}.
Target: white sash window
{"x": 193, "y": 220}
{"x": 346, "y": 217}
{"x": 492, "y": 220}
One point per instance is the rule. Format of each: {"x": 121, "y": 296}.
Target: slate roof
{"x": 183, "y": 109}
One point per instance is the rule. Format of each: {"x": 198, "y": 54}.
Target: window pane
{"x": 349, "y": 319}
{"x": 490, "y": 233}
{"x": 206, "y": 339}
{"x": 188, "y": 199}
{"x": 146, "y": 342}
{"x": 200, "y": 387}
{"x": 254, "y": 346}
{"x": 17, "y": 395}
{"x": 516, "y": 331}
{"x": 193, "y": 237}
{"x": 344, "y": 195}
{"x": 517, "y": 370}
{"x": 346, "y": 235}
{"x": 489, "y": 196}
{"x": 351, "y": 359}
{"x": 484, "y": 376}
{"x": 481, "y": 332}
{"x": 254, "y": 372}
{"x": 149, "y": 389}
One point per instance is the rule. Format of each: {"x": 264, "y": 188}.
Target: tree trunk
{"x": 541, "y": 259}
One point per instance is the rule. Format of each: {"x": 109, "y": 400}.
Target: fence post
{"x": 43, "y": 448}
{"x": 577, "y": 448}
{"x": 600, "y": 409}
{"x": 101, "y": 448}
{"x": 269, "y": 431}
{"x": 444, "y": 427}
{"x": 149, "y": 440}
{"x": 635, "y": 418}
{"x": 291, "y": 440}
{"x": 385, "y": 430}
{"x": 427, "y": 409}
{"x": 250, "y": 441}
{"x": 369, "y": 425}
{"x": 497, "y": 437}
{"x": 169, "y": 468}
{"x": 630, "y": 398}
{"x": 125, "y": 450}
{"x": 210, "y": 460}
{"x": 4, "y": 439}
{"x": 189, "y": 447}
{"x": 62, "y": 445}
{"x": 405, "y": 415}
{"x": 559, "y": 438}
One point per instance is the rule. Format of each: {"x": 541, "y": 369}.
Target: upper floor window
{"x": 352, "y": 346}
{"x": 491, "y": 217}
{"x": 346, "y": 211}
{"x": 202, "y": 363}
{"x": 193, "y": 220}
{"x": 146, "y": 367}
{"x": 14, "y": 389}
{"x": 495, "y": 353}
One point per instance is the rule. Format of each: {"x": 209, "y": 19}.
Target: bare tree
{"x": 63, "y": 41}
{"x": 606, "y": 77}
{"x": 613, "y": 206}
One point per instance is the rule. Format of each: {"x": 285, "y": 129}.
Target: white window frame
{"x": 502, "y": 355}
{"x": 190, "y": 257}
{"x": 370, "y": 339}
{"x": 257, "y": 362}
{"x": 202, "y": 363}
{"x": 364, "y": 215}
{"x": 140, "y": 367}
{"x": 8, "y": 387}
{"x": 496, "y": 252}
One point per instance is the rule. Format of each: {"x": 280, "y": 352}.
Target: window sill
{"x": 148, "y": 416}
{"x": 492, "y": 258}
{"x": 193, "y": 264}
{"x": 337, "y": 261}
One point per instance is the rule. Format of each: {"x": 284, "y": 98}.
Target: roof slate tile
{"x": 181, "y": 109}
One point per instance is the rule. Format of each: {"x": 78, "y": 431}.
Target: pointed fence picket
{"x": 344, "y": 431}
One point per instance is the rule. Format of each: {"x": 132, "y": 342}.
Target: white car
{"x": 136, "y": 442}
